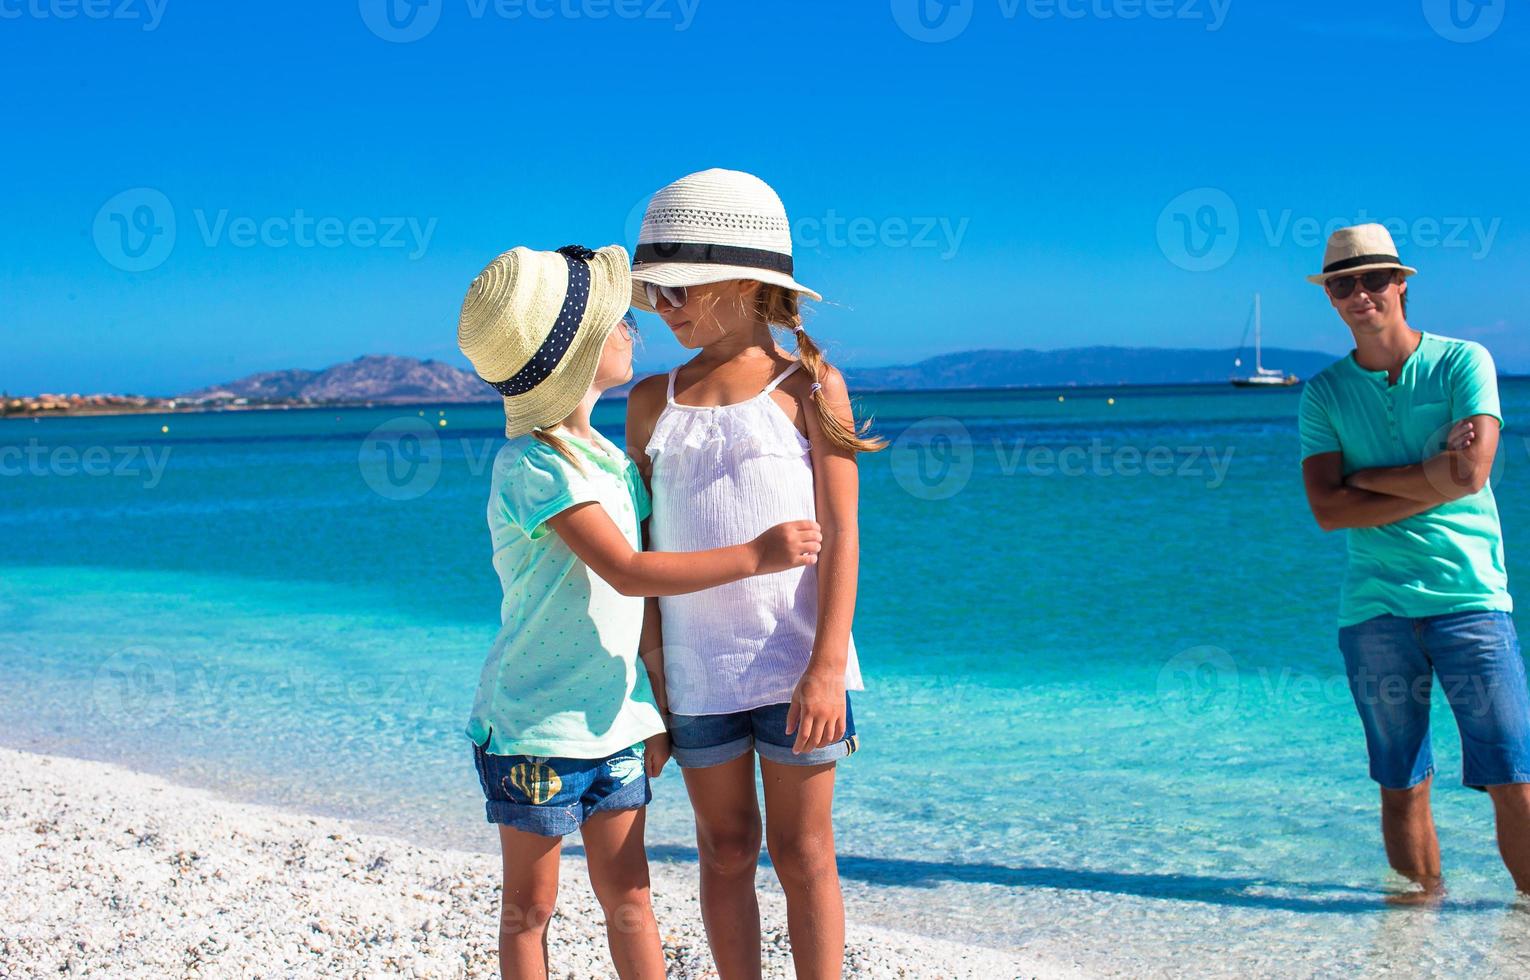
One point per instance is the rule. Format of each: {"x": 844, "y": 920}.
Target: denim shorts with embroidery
{"x": 699, "y": 741}
{"x": 553, "y": 797}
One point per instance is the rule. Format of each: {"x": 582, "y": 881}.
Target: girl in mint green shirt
{"x": 566, "y": 729}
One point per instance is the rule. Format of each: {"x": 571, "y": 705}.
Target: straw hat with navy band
{"x": 534, "y": 324}
{"x": 714, "y": 226}
{"x": 1362, "y": 248}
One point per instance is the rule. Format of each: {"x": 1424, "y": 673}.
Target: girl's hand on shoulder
{"x": 655, "y": 754}
{"x": 817, "y": 713}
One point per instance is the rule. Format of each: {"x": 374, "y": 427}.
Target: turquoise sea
{"x": 1106, "y": 717}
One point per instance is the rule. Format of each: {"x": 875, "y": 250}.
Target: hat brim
{"x": 1323, "y": 277}
{"x": 698, "y": 274}
{"x": 560, "y": 392}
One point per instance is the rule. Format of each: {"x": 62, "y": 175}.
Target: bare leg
{"x": 1511, "y": 806}
{"x": 613, "y": 843}
{"x": 728, "y": 840}
{"x": 800, "y": 832}
{"x": 529, "y": 896}
{"x": 1407, "y": 827}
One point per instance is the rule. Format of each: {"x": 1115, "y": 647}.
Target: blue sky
{"x": 988, "y": 173}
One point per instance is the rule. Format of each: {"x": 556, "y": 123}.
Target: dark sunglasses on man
{"x": 1343, "y": 287}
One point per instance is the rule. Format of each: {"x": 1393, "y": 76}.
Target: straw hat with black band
{"x": 534, "y": 324}
{"x": 714, "y": 226}
{"x": 1362, "y": 248}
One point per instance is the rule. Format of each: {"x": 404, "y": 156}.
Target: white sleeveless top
{"x": 721, "y": 476}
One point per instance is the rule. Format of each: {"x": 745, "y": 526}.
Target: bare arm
{"x": 818, "y": 705}
{"x": 1337, "y": 506}
{"x": 644, "y": 403}
{"x": 1450, "y": 475}
{"x": 591, "y": 534}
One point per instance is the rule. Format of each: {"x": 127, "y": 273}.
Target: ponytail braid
{"x": 779, "y": 307}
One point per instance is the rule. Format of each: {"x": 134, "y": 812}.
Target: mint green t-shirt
{"x": 563, "y": 677}
{"x": 1445, "y": 560}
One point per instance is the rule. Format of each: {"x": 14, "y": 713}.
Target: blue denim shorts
{"x": 699, "y": 741}
{"x": 1392, "y": 664}
{"x": 554, "y": 797}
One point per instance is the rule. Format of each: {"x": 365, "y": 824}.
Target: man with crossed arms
{"x": 1398, "y": 440}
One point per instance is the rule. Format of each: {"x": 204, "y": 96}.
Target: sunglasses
{"x": 1343, "y": 287}
{"x": 673, "y": 295}
{"x": 628, "y": 325}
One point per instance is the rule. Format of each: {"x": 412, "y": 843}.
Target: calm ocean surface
{"x": 1106, "y": 716}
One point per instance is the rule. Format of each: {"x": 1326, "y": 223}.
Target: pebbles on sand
{"x": 115, "y": 873}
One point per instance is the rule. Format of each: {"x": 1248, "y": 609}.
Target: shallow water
{"x": 1106, "y": 717}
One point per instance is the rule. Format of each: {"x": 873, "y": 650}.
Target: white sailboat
{"x": 1262, "y": 377}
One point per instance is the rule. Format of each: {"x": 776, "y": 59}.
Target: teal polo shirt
{"x": 1445, "y": 560}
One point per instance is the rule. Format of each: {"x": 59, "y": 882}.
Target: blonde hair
{"x": 782, "y": 307}
{"x": 551, "y": 439}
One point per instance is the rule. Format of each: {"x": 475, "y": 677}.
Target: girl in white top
{"x": 564, "y": 718}
{"x": 742, "y": 433}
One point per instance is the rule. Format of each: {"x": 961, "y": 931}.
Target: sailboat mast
{"x": 1258, "y": 349}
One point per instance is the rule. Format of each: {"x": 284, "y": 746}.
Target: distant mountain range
{"x": 386, "y": 379}
{"x": 1081, "y": 366}
{"x": 373, "y": 378}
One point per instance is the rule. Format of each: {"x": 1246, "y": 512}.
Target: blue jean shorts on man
{"x": 1394, "y": 664}
{"x": 700, "y": 741}
{"x": 554, "y": 797}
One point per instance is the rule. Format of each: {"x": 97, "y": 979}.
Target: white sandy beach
{"x": 111, "y": 872}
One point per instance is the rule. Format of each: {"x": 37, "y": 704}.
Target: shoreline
{"x": 613, "y": 396}
{"x": 127, "y": 872}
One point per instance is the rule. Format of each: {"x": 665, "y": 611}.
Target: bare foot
{"x": 1425, "y": 892}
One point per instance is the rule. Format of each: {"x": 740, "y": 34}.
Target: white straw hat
{"x": 534, "y": 323}
{"x": 1360, "y": 249}
{"x": 714, "y": 226}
